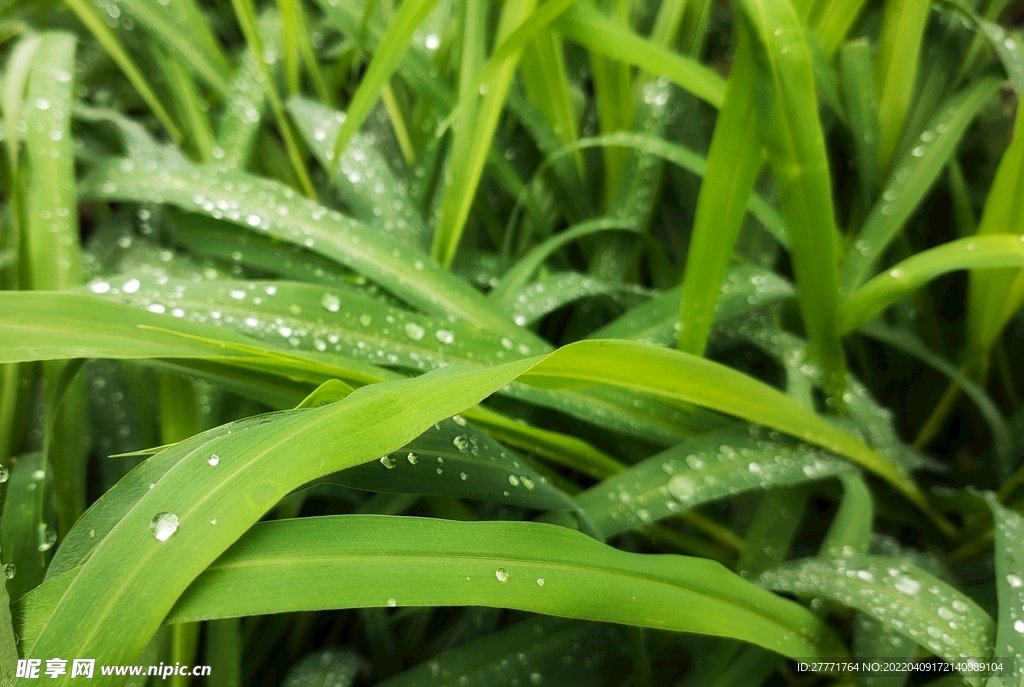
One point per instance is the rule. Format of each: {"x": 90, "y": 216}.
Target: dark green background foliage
{"x": 539, "y": 342}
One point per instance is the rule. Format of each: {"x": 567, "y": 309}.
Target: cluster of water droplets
{"x": 539, "y": 298}
{"x": 705, "y": 469}
{"x": 904, "y": 598}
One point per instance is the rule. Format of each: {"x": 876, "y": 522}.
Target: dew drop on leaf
{"x": 10, "y": 571}
{"x": 214, "y": 459}
{"x": 501, "y": 574}
{"x": 388, "y": 462}
{"x": 330, "y": 302}
{"x": 164, "y": 525}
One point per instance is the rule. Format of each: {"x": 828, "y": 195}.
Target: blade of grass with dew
{"x": 850, "y": 529}
{"x": 19, "y": 65}
{"x": 248, "y": 22}
{"x": 89, "y": 16}
{"x": 558, "y": 289}
{"x": 984, "y": 252}
{"x": 51, "y": 244}
{"x": 520, "y": 273}
{"x": 670, "y": 375}
{"x": 182, "y": 28}
{"x": 460, "y": 461}
{"x": 707, "y": 468}
{"x": 784, "y": 94}
{"x": 912, "y": 179}
{"x": 743, "y": 289}
{"x": 772, "y": 530}
{"x": 386, "y": 58}
{"x": 477, "y": 113}
{"x": 901, "y": 595}
{"x": 734, "y": 161}
{"x": 503, "y": 572}
{"x": 552, "y": 648}
{"x": 546, "y": 83}
{"x": 855, "y": 72}
{"x": 8, "y": 642}
{"x": 27, "y": 522}
{"x": 899, "y": 52}
{"x": 361, "y": 175}
{"x": 585, "y": 25}
{"x": 988, "y": 308}
{"x": 757, "y": 206}
{"x": 306, "y": 224}
{"x": 1008, "y": 546}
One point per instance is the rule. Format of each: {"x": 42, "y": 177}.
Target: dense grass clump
{"x": 539, "y": 342}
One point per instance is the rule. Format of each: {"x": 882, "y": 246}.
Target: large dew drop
{"x": 164, "y": 525}
{"x": 501, "y": 574}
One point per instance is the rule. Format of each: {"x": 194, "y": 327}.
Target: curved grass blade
{"x": 28, "y": 522}
{"x": 983, "y": 252}
{"x": 1009, "y": 560}
{"x": 535, "y": 651}
{"x": 675, "y": 377}
{"x": 264, "y": 205}
{"x": 902, "y": 596}
{"x": 744, "y": 288}
{"x": 393, "y": 46}
{"x": 679, "y": 155}
{"x": 585, "y": 25}
{"x": 855, "y": 74}
{"x": 427, "y": 561}
{"x": 713, "y": 466}
{"x": 558, "y": 289}
{"x": 911, "y": 180}
{"x": 519, "y": 274}
{"x": 362, "y": 174}
{"x": 784, "y": 92}
{"x": 456, "y": 459}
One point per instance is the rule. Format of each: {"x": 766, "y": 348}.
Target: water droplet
{"x": 414, "y": 331}
{"x": 214, "y": 459}
{"x": 412, "y": 458}
{"x": 919, "y": 151}
{"x": 895, "y": 273}
{"x": 540, "y": 581}
{"x": 463, "y": 476}
{"x": 391, "y": 602}
{"x": 164, "y": 525}
{"x": 907, "y": 586}
{"x": 131, "y": 286}
{"x": 387, "y": 461}
{"x": 365, "y": 320}
{"x": 444, "y": 336}
{"x": 432, "y": 41}
{"x": 1019, "y": 626}
{"x": 501, "y": 574}
{"x": 10, "y": 571}
{"x": 1014, "y": 581}
{"x": 5, "y": 474}
{"x": 461, "y": 442}
{"x": 537, "y": 679}
{"x": 47, "y": 537}
{"x": 330, "y": 302}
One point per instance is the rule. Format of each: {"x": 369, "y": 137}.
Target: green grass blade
{"x": 1009, "y": 546}
{"x": 546, "y": 81}
{"x": 852, "y": 524}
{"x": 903, "y": 596}
{"x": 89, "y": 16}
{"x": 362, "y": 175}
{"x": 477, "y": 120}
{"x": 385, "y": 61}
{"x": 198, "y": 131}
{"x": 786, "y": 104}
{"x": 585, "y": 25}
{"x": 182, "y": 28}
{"x": 28, "y": 523}
{"x": 899, "y": 51}
{"x": 772, "y": 531}
{"x": 520, "y": 273}
{"x": 734, "y": 161}
{"x": 246, "y": 13}
{"x": 988, "y": 308}
{"x": 248, "y": 199}
{"x": 983, "y": 252}
{"x": 19, "y": 65}
{"x": 912, "y": 179}
{"x": 554, "y": 291}
{"x": 8, "y": 643}
{"x": 855, "y": 72}
{"x": 707, "y": 468}
{"x": 503, "y": 562}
